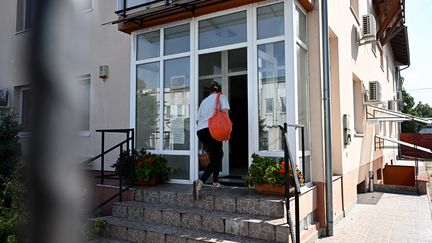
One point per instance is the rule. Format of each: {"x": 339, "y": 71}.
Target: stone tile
{"x": 135, "y": 212}
{"x": 191, "y": 221}
{"x": 150, "y": 196}
{"x": 120, "y": 210}
{"x": 119, "y": 232}
{"x": 139, "y": 195}
{"x": 214, "y": 224}
{"x": 205, "y": 202}
{"x": 236, "y": 227}
{"x": 185, "y": 200}
{"x": 107, "y": 231}
{"x": 225, "y": 204}
{"x": 155, "y": 237}
{"x": 135, "y": 235}
{"x": 261, "y": 231}
{"x": 168, "y": 198}
{"x": 271, "y": 208}
{"x": 250, "y": 206}
{"x": 282, "y": 233}
{"x": 153, "y": 215}
{"x": 171, "y": 218}
{"x": 174, "y": 239}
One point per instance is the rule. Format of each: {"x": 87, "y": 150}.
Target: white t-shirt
{"x": 207, "y": 108}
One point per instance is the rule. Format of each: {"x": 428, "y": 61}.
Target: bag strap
{"x": 217, "y": 102}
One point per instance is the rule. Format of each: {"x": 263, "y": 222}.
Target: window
{"x": 24, "y": 15}
{"x": 303, "y": 109}
{"x": 84, "y": 102}
{"x": 4, "y": 97}
{"x": 176, "y": 39}
{"x": 147, "y": 106}
{"x": 133, "y": 3}
{"x": 223, "y": 30}
{"x": 148, "y": 45}
{"x": 162, "y": 101}
{"x": 358, "y": 107}
{"x": 271, "y": 83}
{"x": 269, "y": 105}
{"x": 270, "y": 21}
{"x": 26, "y": 108}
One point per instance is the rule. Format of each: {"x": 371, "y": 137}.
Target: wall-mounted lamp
{"x": 346, "y": 129}
{"x": 103, "y": 72}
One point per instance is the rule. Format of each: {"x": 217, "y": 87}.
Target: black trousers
{"x": 214, "y": 147}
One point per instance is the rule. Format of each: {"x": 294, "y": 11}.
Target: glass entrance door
{"x": 229, "y": 68}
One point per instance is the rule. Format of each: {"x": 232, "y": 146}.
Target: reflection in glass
{"x": 179, "y": 165}
{"x": 300, "y": 25}
{"x": 303, "y": 92}
{"x": 176, "y": 104}
{"x": 147, "y": 106}
{"x": 271, "y": 86}
{"x": 176, "y": 39}
{"x": 270, "y": 21}
{"x": 223, "y": 30}
{"x": 210, "y": 64}
{"x": 148, "y": 45}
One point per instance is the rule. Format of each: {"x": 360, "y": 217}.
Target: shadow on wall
{"x": 354, "y": 42}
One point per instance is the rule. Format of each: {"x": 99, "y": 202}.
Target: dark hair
{"x": 215, "y": 87}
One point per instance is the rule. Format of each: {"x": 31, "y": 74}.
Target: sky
{"x": 418, "y": 76}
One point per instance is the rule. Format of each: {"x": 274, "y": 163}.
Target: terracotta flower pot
{"x": 151, "y": 182}
{"x": 271, "y": 189}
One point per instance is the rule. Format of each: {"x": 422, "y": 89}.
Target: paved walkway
{"x": 395, "y": 218}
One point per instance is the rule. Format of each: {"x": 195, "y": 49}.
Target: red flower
{"x": 139, "y": 164}
{"x": 149, "y": 161}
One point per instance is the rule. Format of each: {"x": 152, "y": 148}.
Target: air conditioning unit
{"x": 368, "y": 30}
{"x": 399, "y": 96}
{"x": 374, "y": 92}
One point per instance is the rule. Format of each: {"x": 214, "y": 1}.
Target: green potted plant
{"x": 267, "y": 175}
{"x": 150, "y": 169}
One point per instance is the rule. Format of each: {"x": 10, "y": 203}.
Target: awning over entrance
{"x": 378, "y": 114}
{"x": 380, "y": 144}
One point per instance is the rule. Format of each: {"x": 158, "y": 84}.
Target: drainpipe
{"x": 327, "y": 121}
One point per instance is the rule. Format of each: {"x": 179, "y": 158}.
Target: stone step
{"x": 139, "y": 231}
{"x": 252, "y": 226}
{"x": 229, "y": 199}
{"x": 106, "y": 240}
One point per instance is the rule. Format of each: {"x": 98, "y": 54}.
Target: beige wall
{"x": 98, "y": 45}
{"x": 109, "y": 98}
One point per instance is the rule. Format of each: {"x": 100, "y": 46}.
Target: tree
{"x": 9, "y": 147}
{"x": 409, "y": 107}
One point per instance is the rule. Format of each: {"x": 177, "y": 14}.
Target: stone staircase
{"x": 168, "y": 213}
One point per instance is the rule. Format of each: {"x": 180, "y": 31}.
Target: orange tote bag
{"x": 220, "y": 125}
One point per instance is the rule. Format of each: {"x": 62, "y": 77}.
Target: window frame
{"x": 25, "y": 15}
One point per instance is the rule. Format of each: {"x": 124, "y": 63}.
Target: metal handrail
{"x": 130, "y": 146}
{"x": 288, "y": 158}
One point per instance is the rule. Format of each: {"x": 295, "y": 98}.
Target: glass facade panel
{"x": 176, "y": 39}
{"x": 300, "y": 25}
{"x": 270, "y": 21}
{"x": 223, "y": 30}
{"x": 303, "y": 92}
{"x": 210, "y": 64}
{"x": 237, "y": 60}
{"x": 179, "y": 165}
{"x": 271, "y": 85}
{"x": 147, "y": 106}
{"x": 204, "y": 87}
{"x": 176, "y": 104}
{"x": 148, "y": 45}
